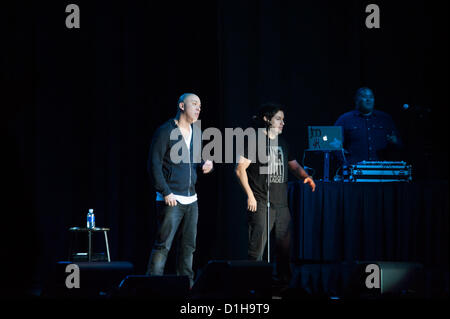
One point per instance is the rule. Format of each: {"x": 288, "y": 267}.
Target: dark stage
{"x": 81, "y": 106}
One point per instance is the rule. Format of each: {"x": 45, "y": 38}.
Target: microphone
{"x": 416, "y": 108}
{"x": 256, "y": 119}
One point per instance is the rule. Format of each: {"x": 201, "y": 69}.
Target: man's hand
{"x": 170, "y": 200}
{"x": 392, "y": 138}
{"x": 251, "y": 204}
{"x": 207, "y": 167}
{"x": 310, "y": 182}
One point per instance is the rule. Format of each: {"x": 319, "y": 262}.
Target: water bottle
{"x": 90, "y": 219}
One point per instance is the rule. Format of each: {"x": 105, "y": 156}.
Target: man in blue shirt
{"x": 369, "y": 134}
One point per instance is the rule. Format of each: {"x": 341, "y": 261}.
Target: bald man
{"x": 369, "y": 134}
{"x": 174, "y": 179}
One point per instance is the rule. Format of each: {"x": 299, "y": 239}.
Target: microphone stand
{"x": 268, "y": 189}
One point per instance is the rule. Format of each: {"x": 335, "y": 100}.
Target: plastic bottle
{"x": 90, "y": 219}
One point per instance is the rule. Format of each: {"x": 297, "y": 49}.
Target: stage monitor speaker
{"x": 154, "y": 287}
{"x": 360, "y": 279}
{"x": 387, "y": 279}
{"x": 86, "y": 279}
{"x": 234, "y": 279}
{"x": 401, "y": 277}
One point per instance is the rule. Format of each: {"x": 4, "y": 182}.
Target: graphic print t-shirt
{"x": 278, "y": 174}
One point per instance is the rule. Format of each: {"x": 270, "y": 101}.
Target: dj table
{"x": 396, "y": 221}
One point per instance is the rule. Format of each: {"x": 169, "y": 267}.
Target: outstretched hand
{"x": 392, "y": 138}
{"x": 207, "y": 167}
{"x": 310, "y": 182}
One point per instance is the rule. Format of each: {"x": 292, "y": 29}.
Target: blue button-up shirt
{"x": 365, "y": 137}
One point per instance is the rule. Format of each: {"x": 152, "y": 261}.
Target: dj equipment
{"x": 375, "y": 171}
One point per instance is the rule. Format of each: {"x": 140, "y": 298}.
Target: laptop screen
{"x": 325, "y": 138}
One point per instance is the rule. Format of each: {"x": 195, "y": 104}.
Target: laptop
{"x": 325, "y": 138}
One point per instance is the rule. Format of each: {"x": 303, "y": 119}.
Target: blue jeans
{"x": 170, "y": 219}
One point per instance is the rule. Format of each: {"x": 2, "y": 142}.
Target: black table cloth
{"x": 396, "y": 221}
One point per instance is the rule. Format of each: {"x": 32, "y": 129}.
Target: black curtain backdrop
{"x": 80, "y": 106}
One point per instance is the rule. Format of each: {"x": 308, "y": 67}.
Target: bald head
{"x": 189, "y": 106}
{"x": 183, "y": 97}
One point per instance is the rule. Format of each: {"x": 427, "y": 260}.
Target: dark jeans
{"x": 170, "y": 219}
{"x": 280, "y": 218}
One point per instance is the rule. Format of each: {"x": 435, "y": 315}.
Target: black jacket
{"x": 171, "y": 166}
